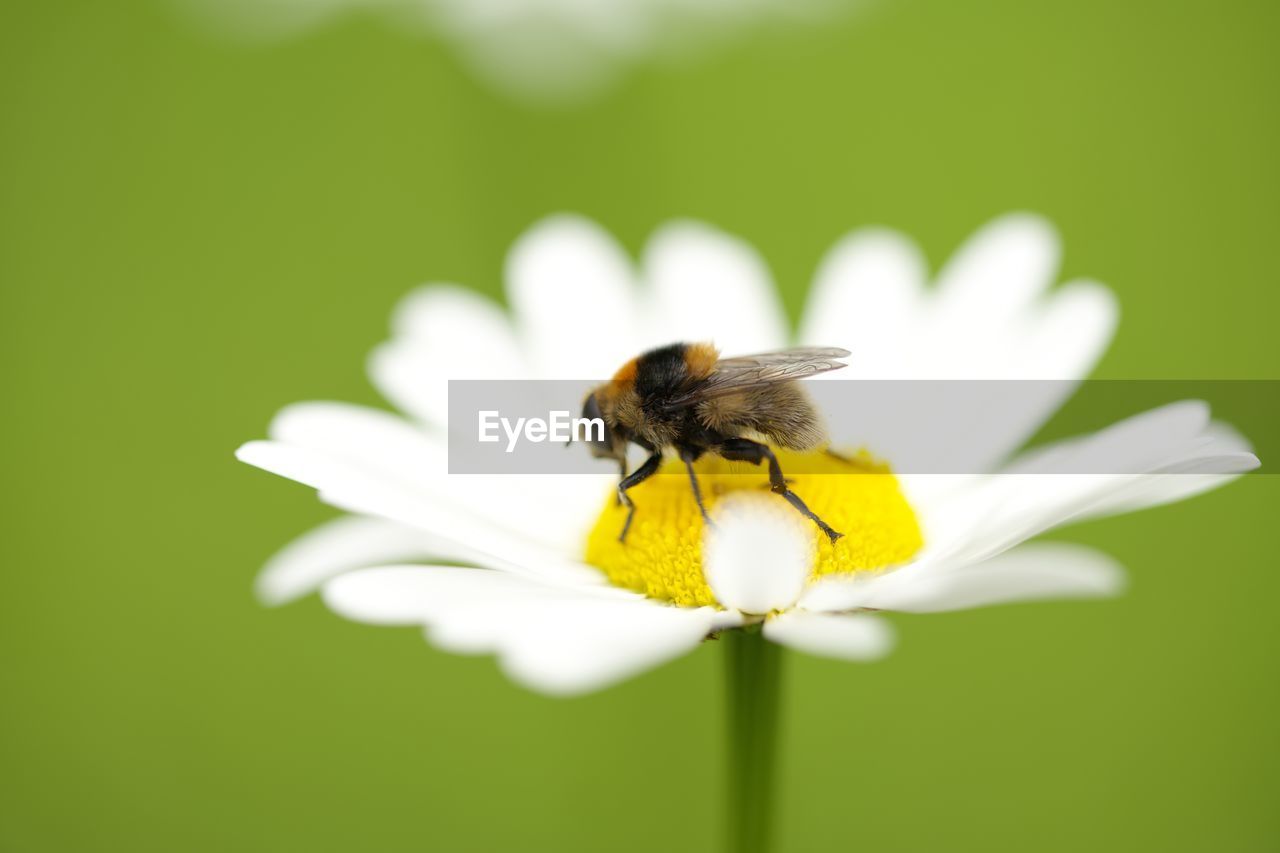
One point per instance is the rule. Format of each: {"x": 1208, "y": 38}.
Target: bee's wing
{"x": 744, "y": 372}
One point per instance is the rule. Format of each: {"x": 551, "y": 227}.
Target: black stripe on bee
{"x": 661, "y": 371}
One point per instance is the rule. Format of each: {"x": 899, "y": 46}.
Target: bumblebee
{"x": 684, "y": 397}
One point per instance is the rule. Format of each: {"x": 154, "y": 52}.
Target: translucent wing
{"x": 744, "y": 372}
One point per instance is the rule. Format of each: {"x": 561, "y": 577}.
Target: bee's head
{"x": 599, "y": 435}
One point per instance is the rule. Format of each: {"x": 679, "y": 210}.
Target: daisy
{"x": 537, "y": 50}
{"x": 567, "y": 608}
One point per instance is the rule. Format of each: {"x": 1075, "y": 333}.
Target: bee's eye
{"x": 600, "y": 441}
{"x": 591, "y": 408}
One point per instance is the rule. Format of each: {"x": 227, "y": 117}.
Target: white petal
{"x": 1031, "y": 572}
{"x": 708, "y": 286}
{"x": 373, "y": 439}
{"x": 994, "y": 318}
{"x": 462, "y": 536}
{"x": 346, "y": 543}
{"x": 1153, "y": 458}
{"x": 852, "y": 637}
{"x": 758, "y": 556}
{"x": 436, "y": 311}
{"x": 1155, "y": 453}
{"x": 428, "y": 594}
{"x": 1069, "y": 332}
{"x": 867, "y": 297}
{"x": 1057, "y": 345}
{"x": 552, "y": 510}
{"x": 989, "y": 318}
{"x": 1224, "y": 455}
{"x": 576, "y": 648}
{"x": 443, "y": 332}
{"x": 1128, "y": 446}
{"x": 998, "y": 274}
{"x": 552, "y": 640}
{"x": 572, "y": 289}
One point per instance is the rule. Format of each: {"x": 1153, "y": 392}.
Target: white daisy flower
{"x": 537, "y": 50}
{"x": 566, "y": 608}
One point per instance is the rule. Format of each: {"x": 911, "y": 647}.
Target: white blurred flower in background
{"x": 566, "y": 608}
{"x": 538, "y": 50}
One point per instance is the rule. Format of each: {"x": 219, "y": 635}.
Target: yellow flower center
{"x": 662, "y": 556}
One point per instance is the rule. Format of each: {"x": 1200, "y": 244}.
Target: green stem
{"x": 753, "y": 670}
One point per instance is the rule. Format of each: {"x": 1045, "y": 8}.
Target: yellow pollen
{"x": 662, "y": 556}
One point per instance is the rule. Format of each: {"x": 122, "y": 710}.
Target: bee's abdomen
{"x": 782, "y": 413}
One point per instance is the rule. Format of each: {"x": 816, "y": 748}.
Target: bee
{"x": 684, "y": 398}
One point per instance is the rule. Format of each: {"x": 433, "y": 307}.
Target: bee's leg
{"x": 636, "y": 477}
{"x": 693, "y": 481}
{"x": 746, "y": 450}
{"x": 622, "y": 475}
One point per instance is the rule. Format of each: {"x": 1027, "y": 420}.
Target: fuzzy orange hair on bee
{"x": 686, "y": 399}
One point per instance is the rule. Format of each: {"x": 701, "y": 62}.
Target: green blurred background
{"x": 194, "y": 232}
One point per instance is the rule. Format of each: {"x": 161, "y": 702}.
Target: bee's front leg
{"x": 622, "y": 475}
{"x": 644, "y": 472}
